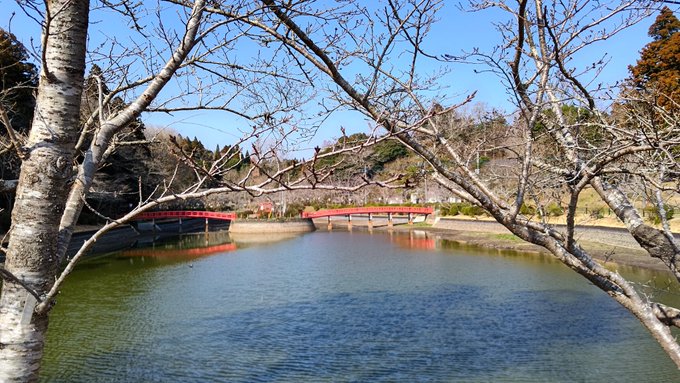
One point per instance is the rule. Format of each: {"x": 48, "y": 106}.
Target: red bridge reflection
{"x": 180, "y": 253}
{"x": 414, "y": 241}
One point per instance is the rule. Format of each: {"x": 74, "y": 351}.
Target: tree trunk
{"x": 43, "y": 188}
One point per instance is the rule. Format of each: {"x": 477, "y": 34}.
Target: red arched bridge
{"x": 229, "y": 216}
{"x": 410, "y": 211}
{"x": 179, "y": 214}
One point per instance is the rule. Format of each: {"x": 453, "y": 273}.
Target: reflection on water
{"x": 656, "y": 285}
{"x": 185, "y": 247}
{"x": 247, "y": 239}
{"x": 414, "y": 239}
{"x": 343, "y": 306}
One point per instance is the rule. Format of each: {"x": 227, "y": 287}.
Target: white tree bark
{"x": 42, "y": 190}
{"x": 537, "y": 55}
{"x": 102, "y": 140}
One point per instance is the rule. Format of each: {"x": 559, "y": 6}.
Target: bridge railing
{"x": 228, "y": 216}
{"x": 369, "y": 210}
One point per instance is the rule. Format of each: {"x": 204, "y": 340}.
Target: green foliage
{"x": 471, "y": 210}
{"x": 294, "y": 209}
{"x": 508, "y": 237}
{"x": 388, "y": 151}
{"x": 464, "y": 208}
{"x": 652, "y": 213}
{"x": 328, "y": 160}
{"x": 573, "y": 115}
{"x": 450, "y": 209}
{"x": 527, "y": 209}
{"x": 245, "y": 213}
{"x": 597, "y": 213}
{"x": 354, "y": 139}
{"x": 412, "y": 171}
{"x": 18, "y": 79}
{"x": 553, "y": 209}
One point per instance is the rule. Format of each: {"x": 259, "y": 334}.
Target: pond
{"x": 340, "y": 307}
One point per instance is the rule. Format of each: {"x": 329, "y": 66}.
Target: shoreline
{"x": 607, "y": 254}
{"x": 610, "y": 246}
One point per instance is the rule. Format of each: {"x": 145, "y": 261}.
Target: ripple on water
{"x": 442, "y": 328}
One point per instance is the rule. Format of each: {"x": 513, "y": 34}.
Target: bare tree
{"x": 555, "y": 151}
{"x": 196, "y": 55}
{"x": 307, "y": 43}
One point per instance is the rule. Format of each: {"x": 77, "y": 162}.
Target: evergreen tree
{"x": 128, "y": 163}
{"x": 18, "y": 78}
{"x": 658, "y": 68}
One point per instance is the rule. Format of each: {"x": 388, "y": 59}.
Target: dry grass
{"x": 590, "y": 201}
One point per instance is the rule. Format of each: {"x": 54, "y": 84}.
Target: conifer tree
{"x": 658, "y": 69}
{"x": 17, "y": 81}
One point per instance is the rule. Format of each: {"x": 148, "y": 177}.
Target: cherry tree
{"x": 190, "y": 60}
{"x": 566, "y": 136}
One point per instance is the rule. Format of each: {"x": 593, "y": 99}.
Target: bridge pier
{"x": 207, "y": 226}
{"x": 370, "y": 210}
{"x": 180, "y": 224}
{"x": 330, "y": 223}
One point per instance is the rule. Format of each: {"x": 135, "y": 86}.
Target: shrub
{"x": 293, "y": 209}
{"x": 527, "y": 209}
{"x": 597, "y": 213}
{"x": 553, "y": 209}
{"x": 652, "y": 213}
{"x": 453, "y": 209}
{"x": 450, "y": 209}
{"x": 245, "y": 213}
{"x": 471, "y": 210}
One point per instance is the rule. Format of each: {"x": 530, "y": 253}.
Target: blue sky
{"x": 455, "y": 32}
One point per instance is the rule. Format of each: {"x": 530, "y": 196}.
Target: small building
{"x": 266, "y": 207}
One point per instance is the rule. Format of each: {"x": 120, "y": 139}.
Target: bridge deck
{"x": 369, "y": 210}
{"x": 230, "y": 216}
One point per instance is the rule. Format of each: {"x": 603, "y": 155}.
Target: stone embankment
{"x": 604, "y": 235}
{"x": 604, "y": 243}
{"x": 267, "y": 227}
{"x": 126, "y": 236}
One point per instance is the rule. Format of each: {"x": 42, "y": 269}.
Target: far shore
{"x": 611, "y": 246}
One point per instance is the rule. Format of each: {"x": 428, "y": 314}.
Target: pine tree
{"x": 18, "y": 79}
{"x": 658, "y": 69}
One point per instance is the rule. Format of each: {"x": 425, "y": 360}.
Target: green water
{"x": 341, "y": 307}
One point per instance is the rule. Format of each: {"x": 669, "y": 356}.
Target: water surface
{"x": 340, "y": 307}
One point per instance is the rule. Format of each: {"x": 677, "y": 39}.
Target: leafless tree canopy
{"x": 568, "y": 131}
